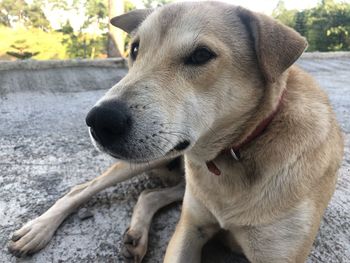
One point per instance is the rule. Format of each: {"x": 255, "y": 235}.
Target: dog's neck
{"x": 234, "y": 150}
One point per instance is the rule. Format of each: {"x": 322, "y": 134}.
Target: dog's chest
{"x": 221, "y": 195}
{"x": 228, "y": 196}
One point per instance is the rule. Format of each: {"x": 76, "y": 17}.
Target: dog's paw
{"x": 134, "y": 245}
{"x": 32, "y": 237}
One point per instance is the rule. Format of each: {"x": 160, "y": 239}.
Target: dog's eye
{"x": 134, "y": 50}
{"x": 200, "y": 56}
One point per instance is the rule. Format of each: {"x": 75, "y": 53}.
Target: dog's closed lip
{"x": 177, "y": 150}
{"x": 182, "y": 145}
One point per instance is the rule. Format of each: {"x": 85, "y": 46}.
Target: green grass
{"x": 48, "y": 44}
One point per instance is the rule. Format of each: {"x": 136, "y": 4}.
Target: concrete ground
{"x": 45, "y": 150}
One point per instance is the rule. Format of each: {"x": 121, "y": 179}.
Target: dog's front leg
{"x": 149, "y": 202}
{"x": 196, "y": 226}
{"x": 35, "y": 234}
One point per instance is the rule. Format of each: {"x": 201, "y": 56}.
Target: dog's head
{"x": 196, "y": 69}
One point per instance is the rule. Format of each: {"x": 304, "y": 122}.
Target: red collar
{"x": 235, "y": 149}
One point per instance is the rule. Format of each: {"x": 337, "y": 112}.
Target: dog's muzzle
{"x": 109, "y": 122}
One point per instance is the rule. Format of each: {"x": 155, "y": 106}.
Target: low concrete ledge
{"x": 49, "y": 64}
{"x": 120, "y": 62}
{"x": 60, "y": 75}
{"x": 325, "y": 55}
{"x": 86, "y": 74}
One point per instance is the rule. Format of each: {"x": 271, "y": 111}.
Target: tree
{"x": 155, "y": 3}
{"x": 20, "y": 12}
{"x": 283, "y": 14}
{"x": 89, "y": 39}
{"x": 35, "y": 17}
{"x": 21, "y": 50}
{"x": 329, "y": 26}
{"x": 80, "y": 45}
{"x": 11, "y": 11}
{"x": 326, "y": 26}
{"x": 97, "y": 13}
{"x": 115, "y": 36}
{"x": 300, "y": 24}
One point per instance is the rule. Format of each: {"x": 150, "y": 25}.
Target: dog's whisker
{"x": 161, "y": 151}
{"x": 164, "y": 138}
{"x": 210, "y": 129}
{"x": 175, "y": 123}
{"x": 153, "y": 102}
{"x": 174, "y": 134}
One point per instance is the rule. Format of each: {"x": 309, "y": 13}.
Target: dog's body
{"x": 203, "y": 78}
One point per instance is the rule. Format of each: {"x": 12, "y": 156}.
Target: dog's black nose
{"x": 109, "y": 121}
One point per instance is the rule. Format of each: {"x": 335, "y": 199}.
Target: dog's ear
{"x": 277, "y": 46}
{"x": 131, "y": 20}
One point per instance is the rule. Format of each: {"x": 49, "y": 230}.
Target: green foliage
{"x": 155, "y": 3}
{"x": 96, "y": 11}
{"x": 96, "y": 8}
{"x": 300, "y": 24}
{"x": 326, "y": 26}
{"x": 36, "y": 40}
{"x": 22, "y": 19}
{"x": 284, "y": 15}
{"x": 20, "y": 12}
{"x": 128, "y": 6}
{"x": 21, "y": 50}
{"x": 61, "y": 5}
{"x": 84, "y": 46}
{"x": 25, "y": 31}
{"x": 87, "y": 45}
{"x": 80, "y": 45}
{"x": 11, "y": 11}
{"x": 35, "y": 17}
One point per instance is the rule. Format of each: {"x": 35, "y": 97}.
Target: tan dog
{"x": 260, "y": 141}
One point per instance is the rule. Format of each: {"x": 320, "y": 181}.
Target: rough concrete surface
{"x": 45, "y": 150}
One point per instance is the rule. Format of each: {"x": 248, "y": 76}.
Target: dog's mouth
{"x": 93, "y": 134}
{"x": 181, "y": 146}
{"x": 175, "y": 151}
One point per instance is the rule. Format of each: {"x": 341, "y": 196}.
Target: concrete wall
{"x": 79, "y": 75}
{"x": 60, "y": 76}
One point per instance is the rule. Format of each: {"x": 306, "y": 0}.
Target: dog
{"x": 214, "y": 85}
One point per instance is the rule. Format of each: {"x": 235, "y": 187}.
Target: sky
{"x": 264, "y": 6}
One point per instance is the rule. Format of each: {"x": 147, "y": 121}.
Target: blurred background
{"x": 67, "y": 29}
